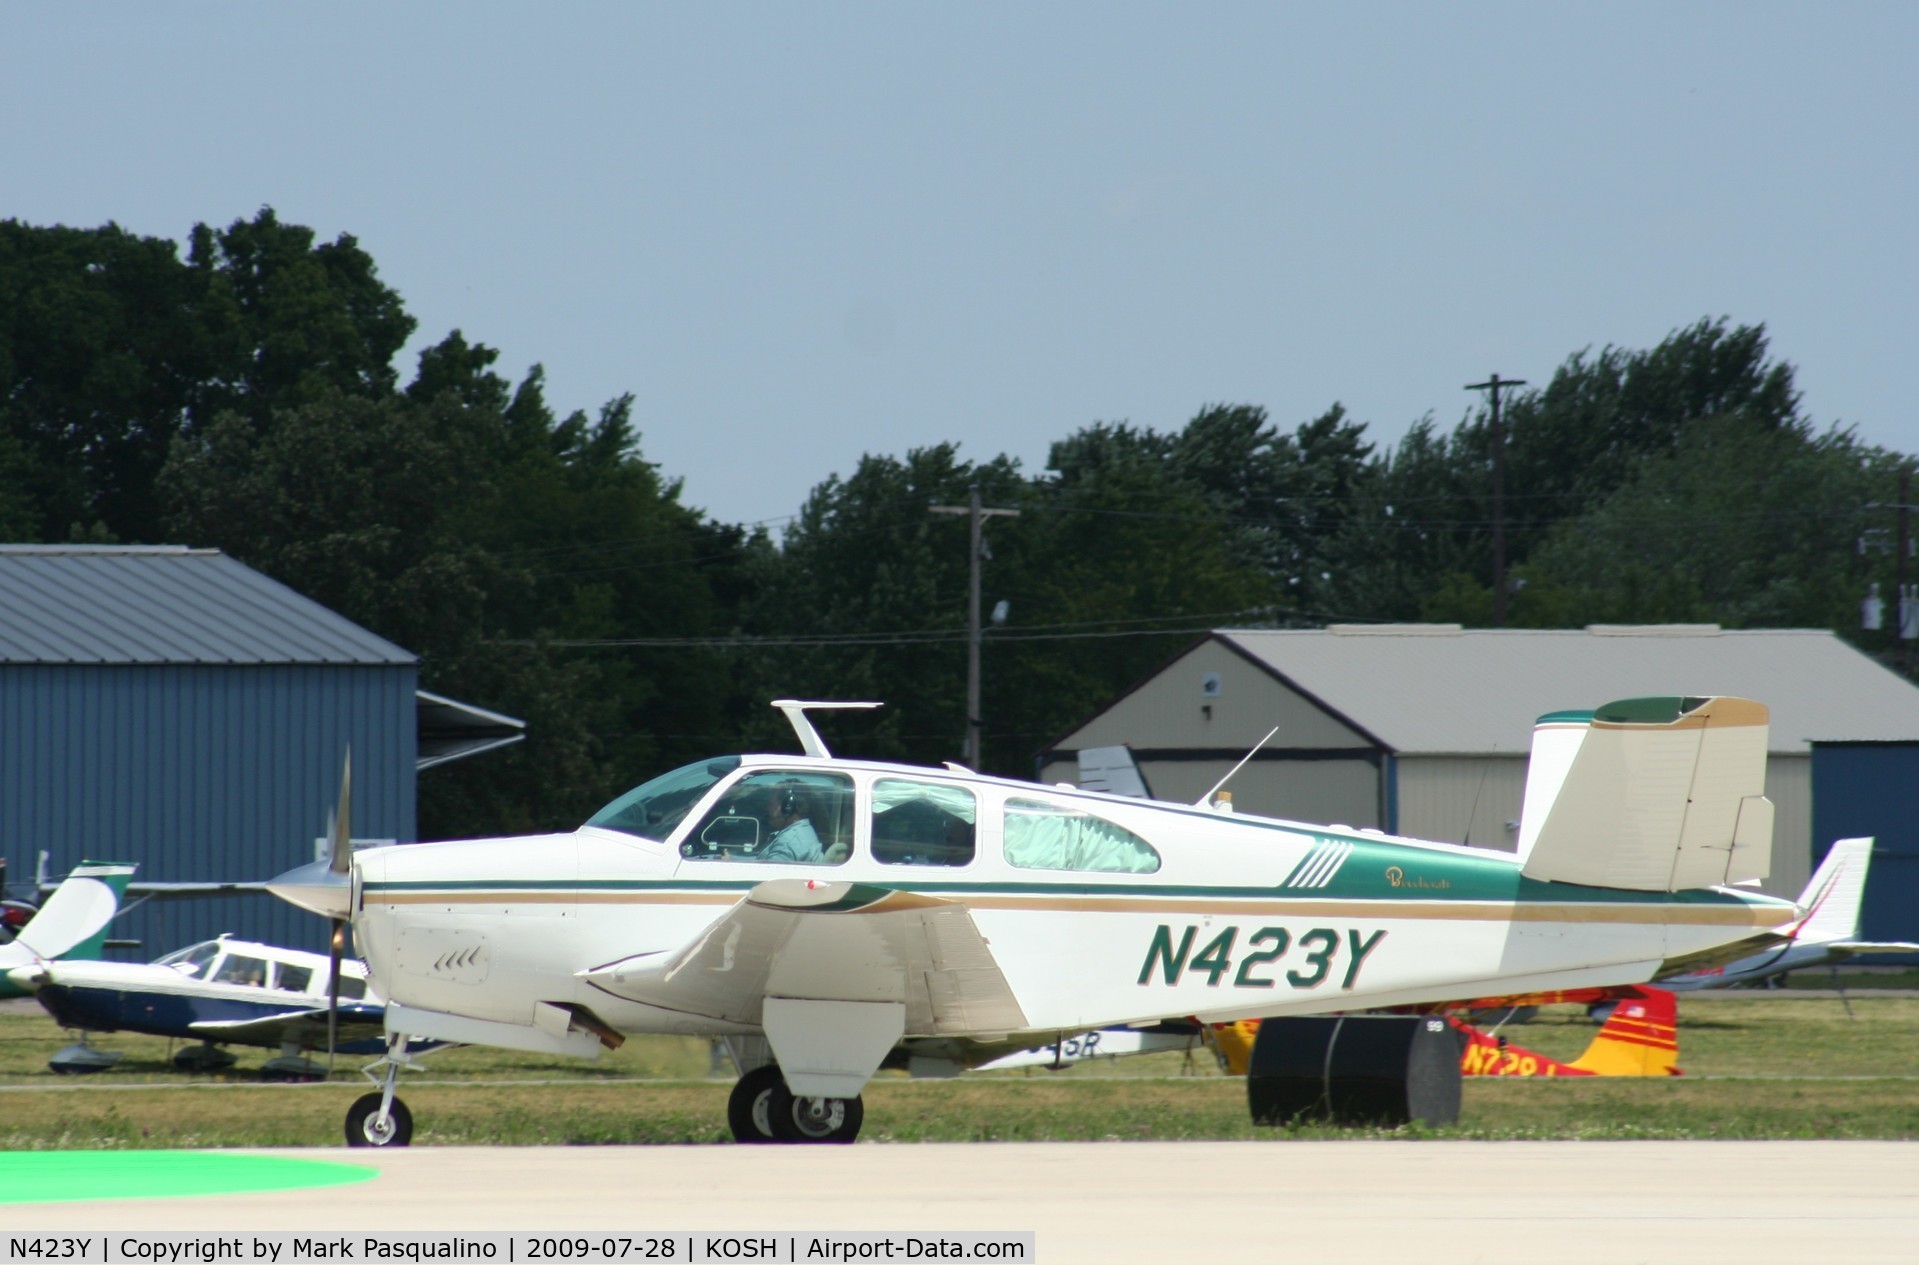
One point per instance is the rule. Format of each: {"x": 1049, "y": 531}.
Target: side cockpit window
{"x": 923, "y": 823}
{"x": 1043, "y": 836}
{"x": 789, "y": 817}
{"x": 237, "y": 968}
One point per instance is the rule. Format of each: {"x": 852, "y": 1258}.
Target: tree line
{"x": 243, "y": 395}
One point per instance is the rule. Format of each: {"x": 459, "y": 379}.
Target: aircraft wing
{"x": 1842, "y": 949}
{"x": 820, "y": 941}
{"x": 299, "y": 1023}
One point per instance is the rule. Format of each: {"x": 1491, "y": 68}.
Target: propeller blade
{"x": 333, "y": 992}
{"x": 341, "y": 859}
{"x": 339, "y": 863}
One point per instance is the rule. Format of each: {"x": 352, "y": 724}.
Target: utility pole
{"x": 977, "y": 516}
{"x": 1499, "y": 494}
{"x": 1904, "y": 606}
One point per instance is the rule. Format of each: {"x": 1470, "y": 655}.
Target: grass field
{"x": 1757, "y": 1066}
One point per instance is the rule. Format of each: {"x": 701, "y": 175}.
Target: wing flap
{"x": 840, "y": 942}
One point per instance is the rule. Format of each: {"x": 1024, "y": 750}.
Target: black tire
{"x": 362, "y": 1123}
{"x": 747, "y": 1107}
{"x": 797, "y": 1119}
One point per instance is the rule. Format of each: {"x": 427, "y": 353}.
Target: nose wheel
{"x": 763, "y": 1109}
{"x": 367, "y": 1125}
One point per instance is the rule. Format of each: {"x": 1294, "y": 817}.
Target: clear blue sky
{"x": 800, "y": 232}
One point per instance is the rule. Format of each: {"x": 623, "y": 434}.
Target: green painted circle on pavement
{"x": 53, "y": 1176}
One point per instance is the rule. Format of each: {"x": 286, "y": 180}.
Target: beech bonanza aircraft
{"x": 828, "y": 917}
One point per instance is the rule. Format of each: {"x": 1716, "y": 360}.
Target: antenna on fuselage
{"x": 810, "y": 741}
{"x": 1207, "y": 798}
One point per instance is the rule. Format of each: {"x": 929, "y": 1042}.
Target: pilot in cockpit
{"x": 790, "y": 825}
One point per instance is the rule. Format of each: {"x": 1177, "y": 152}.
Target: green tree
{"x": 465, "y": 523}
{"x": 111, "y": 345}
{"x": 1419, "y": 539}
{"x": 1736, "y": 526}
{"x": 99, "y": 354}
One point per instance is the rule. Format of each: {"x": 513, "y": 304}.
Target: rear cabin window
{"x": 923, "y": 823}
{"x": 294, "y": 979}
{"x": 1042, "y": 836}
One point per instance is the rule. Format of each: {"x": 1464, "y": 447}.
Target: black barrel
{"x": 1383, "y": 1070}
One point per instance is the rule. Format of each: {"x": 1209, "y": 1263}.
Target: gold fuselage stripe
{"x": 1439, "y": 911}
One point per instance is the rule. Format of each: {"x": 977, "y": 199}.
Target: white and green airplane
{"x": 828, "y": 917}
{"x": 72, "y": 923}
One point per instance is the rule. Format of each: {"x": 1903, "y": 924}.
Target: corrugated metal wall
{"x": 201, "y": 773}
{"x": 1866, "y": 789}
{"x": 1461, "y": 799}
{"x": 1789, "y": 787}
{"x": 1318, "y": 792}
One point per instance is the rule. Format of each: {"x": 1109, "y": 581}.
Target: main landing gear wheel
{"x": 746, "y": 1108}
{"x": 365, "y": 1128}
{"x": 797, "y": 1119}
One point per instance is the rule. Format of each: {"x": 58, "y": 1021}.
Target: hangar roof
{"x": 165, "y": 604}
{"x": 1431, "y": 689}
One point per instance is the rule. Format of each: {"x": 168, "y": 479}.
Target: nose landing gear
{"x": 380, "y": 1118}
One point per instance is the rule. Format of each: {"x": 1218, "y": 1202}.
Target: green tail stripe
{"x": 1647, "y": 711}
{"x": 116, "y": 877}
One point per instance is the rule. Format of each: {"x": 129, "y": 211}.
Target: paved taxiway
{"x": 1433, "y": 1203}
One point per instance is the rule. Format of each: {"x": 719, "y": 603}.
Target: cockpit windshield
{"x": 652, "y": 810}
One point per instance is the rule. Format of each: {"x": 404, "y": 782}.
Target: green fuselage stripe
{"x": 1514, "y": 888}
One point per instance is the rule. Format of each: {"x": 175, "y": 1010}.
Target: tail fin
{"x": 1639, "y": 1038}
{"x": 73, "y": 922}
{"x": 1655, "y": 794}
{"x": 1556, "y": 740}
{"x": 1832, "y": 901}
{"x": 1833, "y": 896}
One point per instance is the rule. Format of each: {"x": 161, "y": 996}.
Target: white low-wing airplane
{"x": 827, "y": 916}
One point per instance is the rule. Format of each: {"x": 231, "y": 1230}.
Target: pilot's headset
{"x": 789, "y": 800}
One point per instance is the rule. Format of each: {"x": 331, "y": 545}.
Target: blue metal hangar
{"x": 174, "y": 707}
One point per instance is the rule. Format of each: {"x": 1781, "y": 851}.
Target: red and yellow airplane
{"x": 1640, "y": 1038}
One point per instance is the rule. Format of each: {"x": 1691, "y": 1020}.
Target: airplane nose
{"x": 315, "y": 887}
